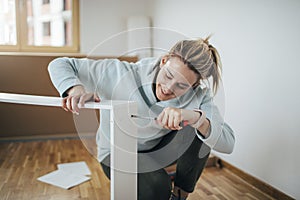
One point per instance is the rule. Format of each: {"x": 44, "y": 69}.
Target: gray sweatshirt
{"x": 112, "y": 79}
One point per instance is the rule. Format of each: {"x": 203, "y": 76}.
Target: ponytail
{"x": 216, "y": 71}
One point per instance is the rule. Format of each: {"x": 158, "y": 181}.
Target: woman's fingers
{"x": 170, "y": 123}
{"x": 170, "y": 118}
{"x": 83, "y": 99}
{"x": 64, "y": 104}
{"x": 87, "y": 97}
{"x": 174, "y": 122}
{"x": 96, "y": 98}
{"x": 69, "y": 103}
{"x": 75, "y": 102}
{"x": 177, "y": 121}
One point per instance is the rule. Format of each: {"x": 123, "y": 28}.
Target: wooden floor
{"x": 21, "y": 163}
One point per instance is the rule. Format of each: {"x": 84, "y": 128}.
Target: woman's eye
{"x": 182, "y": 87}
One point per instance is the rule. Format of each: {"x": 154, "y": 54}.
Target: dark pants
{"x": 182, "y": 147}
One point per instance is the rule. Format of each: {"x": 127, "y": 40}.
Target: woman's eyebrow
{"x": 170, "y": 72}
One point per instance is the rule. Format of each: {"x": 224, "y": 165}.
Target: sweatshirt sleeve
{"x": 221, "y": 137}
{"x": 68, "y": 72}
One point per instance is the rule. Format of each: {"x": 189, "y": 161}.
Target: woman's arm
{"x": 215, "y": 132}
{"x": 66, "y": 73}
{"x": 71, "y": 77}
{"x": 208, "y": 123}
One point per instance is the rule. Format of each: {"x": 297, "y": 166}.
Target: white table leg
{"x": 123, "y": 153}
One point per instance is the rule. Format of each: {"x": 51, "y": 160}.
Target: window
{"x": 39, "y": 25}
{"x": 8, "y": 32}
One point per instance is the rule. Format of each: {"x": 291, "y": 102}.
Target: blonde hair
{"x": 201, "y": 57}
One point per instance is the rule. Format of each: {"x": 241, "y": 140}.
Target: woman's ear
{"x": 163, "y": 60}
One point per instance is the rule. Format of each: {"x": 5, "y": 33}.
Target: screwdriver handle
{"x": 184, "y": 123}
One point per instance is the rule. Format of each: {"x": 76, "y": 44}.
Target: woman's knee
{"x": 151, "y": 185}
{"x": 154, "y": 185}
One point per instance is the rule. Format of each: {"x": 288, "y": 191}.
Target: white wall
{"x": 103, "y": 21}
{"x": 259, "y": 45}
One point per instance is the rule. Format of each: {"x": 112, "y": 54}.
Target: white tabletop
{"x": 53, "y": 101}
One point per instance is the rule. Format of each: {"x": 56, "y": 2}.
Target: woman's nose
{"x": 168, "y": 91}
{"x": 170, "y": 86}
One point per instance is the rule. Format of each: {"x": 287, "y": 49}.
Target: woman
{"x": 172, "y": 89}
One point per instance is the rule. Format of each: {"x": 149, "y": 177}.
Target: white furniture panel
{"x": 123, "y": 139}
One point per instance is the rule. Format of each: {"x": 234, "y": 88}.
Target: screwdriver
{"x": 184, "y": 122}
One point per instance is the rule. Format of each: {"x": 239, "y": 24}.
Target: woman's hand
{"x": 77, "y": 96}
{"x": 171, "y": 118}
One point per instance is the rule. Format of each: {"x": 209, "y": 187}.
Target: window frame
{"x": 22, "y": 31}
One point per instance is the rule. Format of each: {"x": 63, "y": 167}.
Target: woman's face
{"x": 174, "y": 79}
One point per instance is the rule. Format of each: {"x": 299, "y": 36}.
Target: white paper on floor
{"x": 68, "y": 175}
{"x": 75, "y": 168}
